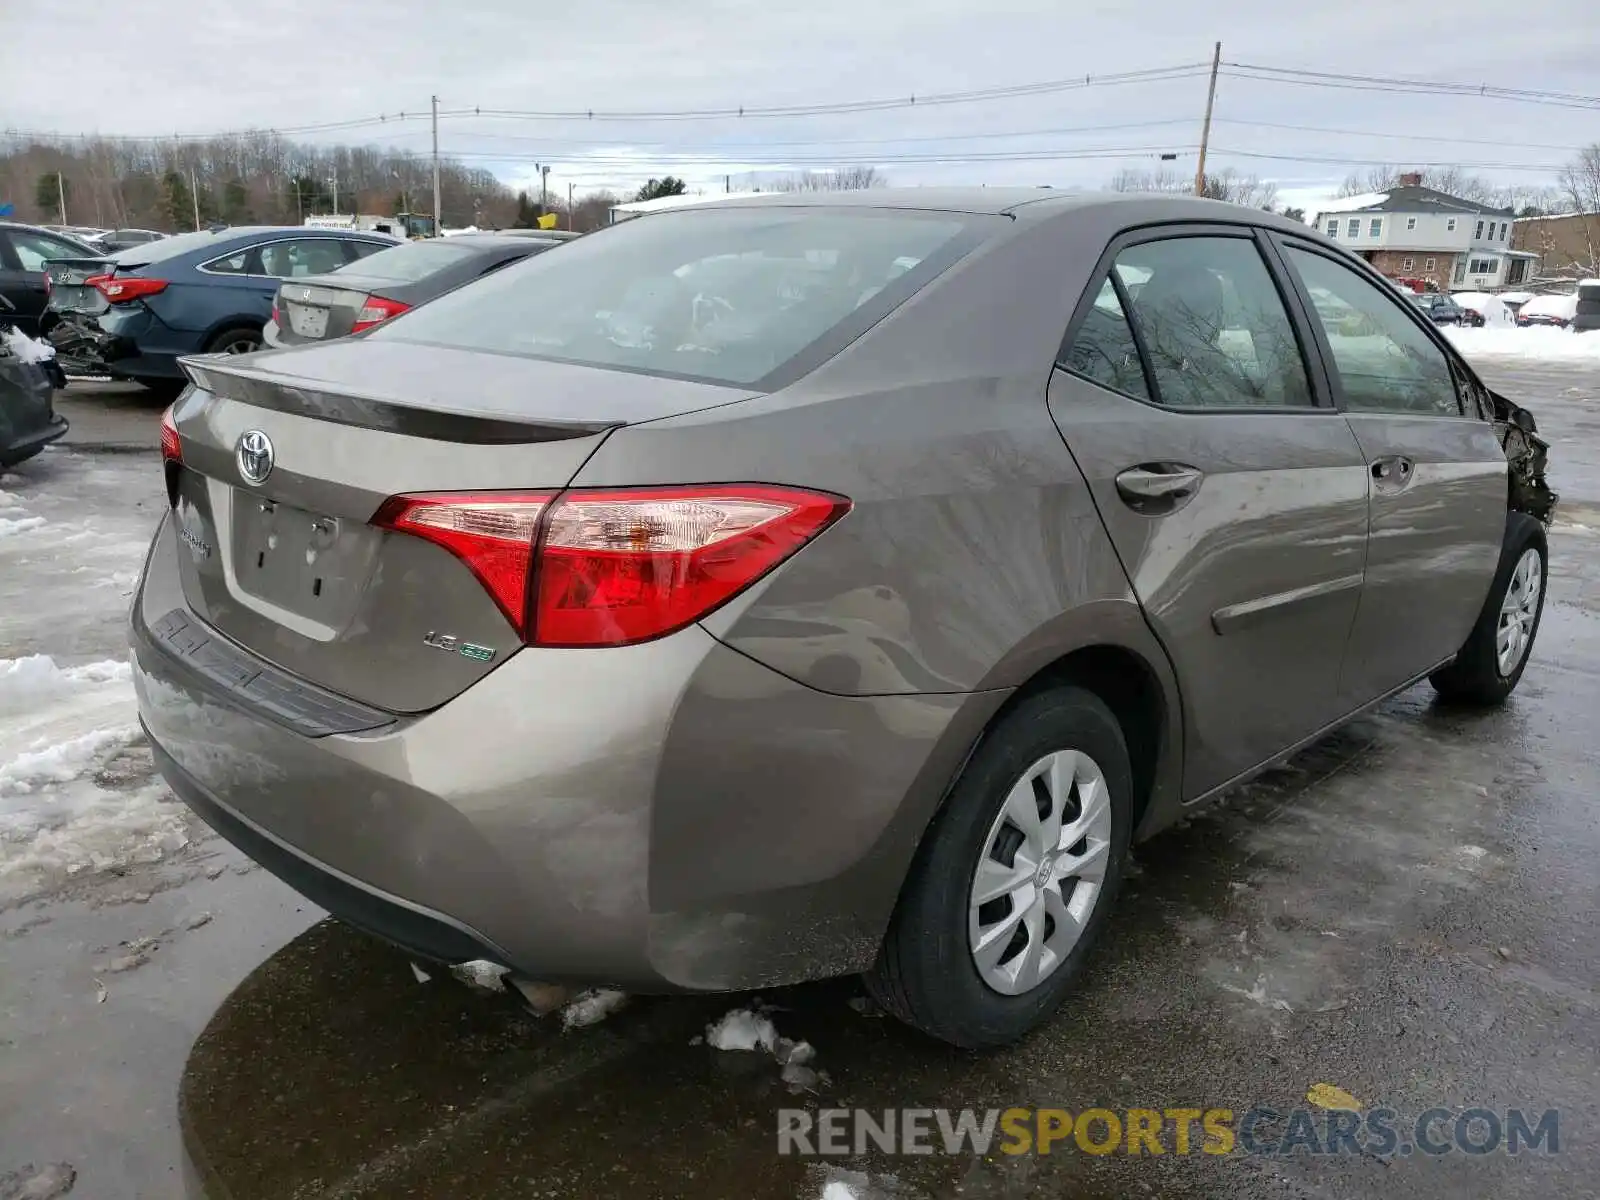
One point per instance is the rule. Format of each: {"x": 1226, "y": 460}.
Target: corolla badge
{"x": 254, "y": 456}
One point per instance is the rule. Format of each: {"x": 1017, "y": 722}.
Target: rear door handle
{"x": 1158, "y": 486}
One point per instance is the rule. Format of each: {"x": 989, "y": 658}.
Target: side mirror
{"x": 1523, "y": 420}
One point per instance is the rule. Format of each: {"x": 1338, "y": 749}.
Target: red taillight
{"x": 491, "y": 532}
{"x": 376, "y": 311}
{"x": 123, "y": 289}
{"x": 171, "y": 447}
{"x": 275, "y": 318}
{"x": 616, "y": 567}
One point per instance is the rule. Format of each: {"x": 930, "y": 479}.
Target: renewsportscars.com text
{"x": 1380, "y": 1132}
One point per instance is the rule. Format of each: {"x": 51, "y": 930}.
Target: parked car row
{"x": 132, "y": 314}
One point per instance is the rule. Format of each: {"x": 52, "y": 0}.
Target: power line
{"x": 668, "y": 159}
{"x": 765, "y": 143}
{"x": 1379, "y": 83}
{"x": 1333, "y": 160}
{"x": 935, "y": 99}
{"x": 1409, "y": 137}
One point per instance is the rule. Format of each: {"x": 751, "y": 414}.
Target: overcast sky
{"x": 93, "y": 66}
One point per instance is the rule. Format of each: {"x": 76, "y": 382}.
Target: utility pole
{"x": 194, "y": 195}
{"x": 335, "y": 182}
{"x": 438, "y": 222}
{"x": 1205, "y": 129}
{"x": 727, "y": 184}
{"x": 544, "y": 187}
{"x": 569, "y": 206}
{"x": 61, "y": 192}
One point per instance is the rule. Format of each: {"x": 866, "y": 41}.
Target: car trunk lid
{"x": 70, "y": 293}
{"x": 277, "y": 549}
{"x": 314, "y": 312}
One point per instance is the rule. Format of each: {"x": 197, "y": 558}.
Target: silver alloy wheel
{"x": 243, "y": 344}
{"x": 1518, "y": 610}
{"x": 1041, "y": 872}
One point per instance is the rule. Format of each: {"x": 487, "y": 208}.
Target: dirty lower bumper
{"x": 665, "y": 816}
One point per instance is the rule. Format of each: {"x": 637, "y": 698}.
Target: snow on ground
{"x": 1534, "y": 343}
{"x": 591, "y": 1008}
{"x": 78, "y": 791}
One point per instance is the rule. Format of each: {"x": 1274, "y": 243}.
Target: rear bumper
{"x": 26, "y": 445}
{"x": 659, "y": 817}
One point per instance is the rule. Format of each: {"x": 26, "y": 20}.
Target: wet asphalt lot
{"x": 1408, "y": 911}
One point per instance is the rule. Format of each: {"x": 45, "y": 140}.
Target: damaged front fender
{"x": 1527, "y": 455}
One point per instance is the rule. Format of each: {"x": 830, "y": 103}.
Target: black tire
{"x": 233, "y": 339}
{"x": 1475, "y": 676}
{"x": 925, "y": 974}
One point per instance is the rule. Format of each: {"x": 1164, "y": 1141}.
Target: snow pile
{"x": 11, "y": 526}
{"x": 29, "y": 350}
{"x": 1491, "y": 308}
{"x": 590, "y": 1008}
{"x": 77, "y": 790}
{"x": 1536, "y": 343}
{"x": 743, "y": 1029}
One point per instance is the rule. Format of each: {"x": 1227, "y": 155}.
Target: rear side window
{"x": 1104, "y": 349}
{"x": 234, "y": 264}
{"x": 302, "y": 256}
{"x": 728, "y": 295}
{"x": 1385, "y": 363}
{"x": 1213, "y": 324}
{"x": 33, "y": 249}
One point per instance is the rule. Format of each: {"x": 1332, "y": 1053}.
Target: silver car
{"x": 809, "y": 585}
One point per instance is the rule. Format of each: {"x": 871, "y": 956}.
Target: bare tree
{"x": 1580, "y": 179}
{"x": 839, "y": 179}
{"x": 1452, "y": 181}
{"x": 1228, "y": 184}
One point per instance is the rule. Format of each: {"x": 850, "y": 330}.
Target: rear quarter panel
{"x": 973, "y": 555}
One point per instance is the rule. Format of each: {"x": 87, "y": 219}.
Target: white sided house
{"x": 1413, "y": 232}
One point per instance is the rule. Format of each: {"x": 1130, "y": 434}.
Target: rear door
{"x": 1234, "y": 492}
{"x": 1436, "y": 475}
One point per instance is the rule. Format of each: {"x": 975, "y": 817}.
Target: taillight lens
{"x": 492, "y": 533}
{"x": 171, "y": 447}
{"x": 376, "y": 311}
{"x": 124, "y": 289}
{"x": 275, "y": 318}
{"x": 612, "y": 568}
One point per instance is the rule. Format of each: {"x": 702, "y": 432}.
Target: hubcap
{"x": 1041, "y": 872}
{"x": 1518, "y": 611}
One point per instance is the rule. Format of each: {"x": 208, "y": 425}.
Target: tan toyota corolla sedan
{"x": 807, "y": 585}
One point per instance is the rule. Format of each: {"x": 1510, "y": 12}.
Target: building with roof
{"x": 1567, "y": 244}
{"x": 1415, "y": 232}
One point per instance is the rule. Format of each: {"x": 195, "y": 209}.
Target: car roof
{"x": 490, "y": 240}
{"x": 1031, "y": 203}
{"x": 55, "y": 233}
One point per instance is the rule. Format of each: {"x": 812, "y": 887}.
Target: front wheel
{"x": 1496, "y": 652}
{"x": 1015, "y": 878}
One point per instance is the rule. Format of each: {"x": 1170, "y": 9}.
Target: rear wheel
{"x": 1492, "y": 660}
{"x": 243, "y": 339}
{"x": 1015, "y": 878}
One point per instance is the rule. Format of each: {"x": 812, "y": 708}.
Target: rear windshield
{"x": 722, "y": 295}
{"x": 165, "y": 248}
{"x": 415, "y": 260}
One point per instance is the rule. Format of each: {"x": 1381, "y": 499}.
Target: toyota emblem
{"x": 254, "y": 456}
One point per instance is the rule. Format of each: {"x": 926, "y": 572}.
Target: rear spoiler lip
{"x": 229, "y": 380}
